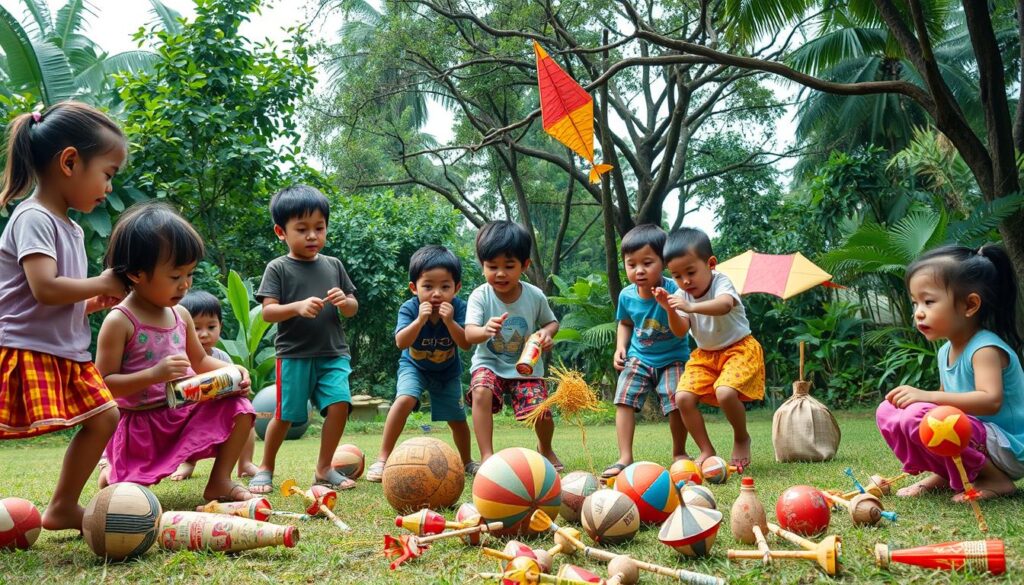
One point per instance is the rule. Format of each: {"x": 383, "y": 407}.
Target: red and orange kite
{"x": 782, "y": 276}
{"x": 567, "y": 110}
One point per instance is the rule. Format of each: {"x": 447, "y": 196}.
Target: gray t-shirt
{"x": 526, "y": 315}
{"x": 717, "y": 332}
{"x": 221, "y": 355}
{"x": 289, "y": 280}
{"x": 25, "y": 323}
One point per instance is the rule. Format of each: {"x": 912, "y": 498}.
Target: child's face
{"x": 502, "y": 272}
{"x": 435, "y": 286}
{"x": 166, "y": 286}
{"x": 208, "y": 329}
{"x": 692, "y": 274}
{"x": 937, "y": 315}
{"x": 305, "y": 236}
{"x": 92, "y": 178}
{"x": 643, "y": 268}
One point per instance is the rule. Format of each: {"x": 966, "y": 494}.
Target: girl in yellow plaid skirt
{"x": 69, "y": 153}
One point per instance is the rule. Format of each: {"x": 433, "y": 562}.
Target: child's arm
{"x": 623, "y": 334}
{"x": 275, "y": 312}
{"x": 447, "y": 313}
{"x": 51, "y": 289}
{"x": 716, "y": 307}
{"x": 346, "y": 303}
{"x": 480, "y": 333}
{"x": 985, "y": 399}
{"x": 114, "y": 335}
{"x": 546, "y": 335}
{"x": 408, "y": 334}
{"x": 677, "y": 323}
{"x": 201, "y": 361}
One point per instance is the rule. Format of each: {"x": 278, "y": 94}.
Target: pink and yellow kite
{"x": 567, "y": 111}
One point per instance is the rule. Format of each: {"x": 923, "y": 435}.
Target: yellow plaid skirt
{"x": 41, "y": 393}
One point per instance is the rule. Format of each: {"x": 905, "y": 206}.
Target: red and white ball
{"x": 20, "y": 523}
{"x": 349, "y": 461}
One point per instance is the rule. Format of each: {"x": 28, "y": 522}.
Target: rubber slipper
{"x": 334, "y": 480}
{"x": 230, "y": 496}
{"x": 264, "y": 478}
{"x": 613, "y": 470}
{"x": 472, "y": 468}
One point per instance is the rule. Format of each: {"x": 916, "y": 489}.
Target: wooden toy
{"x": 946, "y": 431}
{"x": 698, "y": 495}
{"x": 747, "y": 512}
{"x": 525, "y": 571}
{"x": 320, "y": 500}
{"x": 530, "y": 356}
{"x": 829, "y": 550}
{"x": 576, "y": 486}
{"x": 20, "y": 523}
{"x": 804, "y": 510}
{"x": 515, "y": 549}
{"x": 690, "y": 530}
{"x": 468, "y": 515}
{"x": 865, "y": 509}
{"x": 879, "y": 486}
{"x": 714, "y": 469}
{"x": 541, "y": 522}
{"x": 514, "y": 483}
{"x": 254, "y": 509}
{"x": 685, "y": 471}
{"x": 121, "y": 521}
{"x": 826, "y": 562}
{"x": 980, "y": 555}
{"x": 567, "y": 571}
{"x": 349, "y": 461}
{"x": 409, "y": 546}
{"x": 423, "y": 473}
{"x": 426, "y": 522}
{"x": 650, "y": 487}
{"x": 610, "y": 517}
{"x": 220, "y": 532}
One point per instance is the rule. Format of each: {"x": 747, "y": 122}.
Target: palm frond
{"x": 751, "y": 19}
{"x": 69, "y": 20}
{"x": 23, "y": 63}
{"x": 830, "y": 49}
{"x": 976, "y": 229}
{"x": 167, "y": 17}
{"x": 58, "y": 81}
{"x": 42, "y": 20}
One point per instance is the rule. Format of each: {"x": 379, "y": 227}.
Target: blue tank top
{"x": 959, "y": 377}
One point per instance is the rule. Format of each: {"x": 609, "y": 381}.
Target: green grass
{"x": 324, "y": 555}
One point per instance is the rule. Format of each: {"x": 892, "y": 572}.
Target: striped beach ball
{"x": 576, "y": 486}
{"x": 20, "y": 523}
{"x": 685, "y": 471}
{"x": 514, "y": 483}
{"x": 649, "y": 486}
{"x": 121, "y": 521}
{"x": 700, "y": 496}
{"x": 715, "y": 469}
{"x": 609, "y": 517}
{"x": 349, "y": 461}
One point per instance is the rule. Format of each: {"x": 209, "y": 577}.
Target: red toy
{"x": 983, "y": 555}
{"x": 20, "y": 523}
{"x": 946, "y": 431}
{"x": 803, "y": 509}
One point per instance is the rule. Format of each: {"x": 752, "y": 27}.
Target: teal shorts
{"x": 445, "y": 395}
{"x": 322, "y": 381}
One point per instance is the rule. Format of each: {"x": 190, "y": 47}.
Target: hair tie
{"x": 37, "y": 117}
{"x": 980, "y": 250}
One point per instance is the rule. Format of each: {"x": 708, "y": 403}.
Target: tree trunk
{"x": 611, "y": 254}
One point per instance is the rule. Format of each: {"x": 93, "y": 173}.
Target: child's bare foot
{"x": 681, "y": 456}
{"x": 704, "y": 455}
{"x": 70, "y": 518}
{"x": 741, "y": 453}
{"x": 989, "y": 484}
{"x": 928, "y": 484}
{"x": 555, "y": 461}
{"x": 104, "y": 478}
{"x": 183, "y": 472}
{"x": 226, "y": 491}
{"x": 247, "y": 469}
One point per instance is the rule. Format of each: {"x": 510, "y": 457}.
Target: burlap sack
{"x": 803, "y": 429}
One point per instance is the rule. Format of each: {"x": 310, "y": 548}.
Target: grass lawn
{"x": 325, "y": 556}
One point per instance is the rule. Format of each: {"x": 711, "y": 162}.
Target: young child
{"x": 727, "y": 368}
{"x": 208, "y": 317}
{"x": 307, "y": 293}
{"x": 147, "y": 341}
{"x": 70, "y": 152}
{"x": 649, "y": 356}
{"x": 969, "y": 298}
{"x": 429, "y": 333}
{"x": 500, "y": 317}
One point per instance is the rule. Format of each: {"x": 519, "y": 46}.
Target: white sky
{"x": 115, "y": 22}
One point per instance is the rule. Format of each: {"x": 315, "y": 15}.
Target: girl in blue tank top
{"x": 968, "y": 297}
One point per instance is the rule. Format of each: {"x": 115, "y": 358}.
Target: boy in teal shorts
{"x": 307, "y": 293}
{"x": 429, "y": 333}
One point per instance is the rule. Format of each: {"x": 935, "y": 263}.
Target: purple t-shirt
{"x": 25, "y": 323}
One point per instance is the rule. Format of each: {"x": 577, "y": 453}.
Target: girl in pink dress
{"x": 147, "y": 341}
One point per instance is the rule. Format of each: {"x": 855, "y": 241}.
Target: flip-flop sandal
{"x": 472, "y": 468}
{"x": 617, "y": 467}
{"x": 559, "y": 467}
{"x": 740, "y": 464}
{"x": 230, "y": 496}
{"x": 263, "y": 478}
{"x": 334, "y": 480}
{"x": 376, "y": 472}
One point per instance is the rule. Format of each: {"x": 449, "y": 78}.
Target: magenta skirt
{"x": 148, "y": 445}
{"x": 899, "y": 428}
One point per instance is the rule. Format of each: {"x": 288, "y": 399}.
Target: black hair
{"x": 298, "y": 201}
{"x": 430, "y": 257}
{"x": 503, "y": 237}
{"x": 646, "y": 234}
{"x": 986, "y": 271}
{"x": 150, "y": 233}
{"x": 682, "y": 241}
{"x": 200, "y": 303}
{"x": 34, "y": 140}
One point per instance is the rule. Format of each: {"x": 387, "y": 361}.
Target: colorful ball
{"x": 348, "y": 460}
{"x": 715, "y": 470}
{"x": 423, "y": 473}
{"x": 20, "y": 523}
{"x": 121, "y": 521}
{"x": 514, "y": 483}
{"x": 804, "y": 510}
{"x": 698, "y": 495}
{"x": 576, "y": 486}
{"x": 650, "y": 487}
{"x": 685, "y": 471}
{"x": 610, "y": 517}
{"x": 945, "y": 431}
{"x": 468, "y": 514}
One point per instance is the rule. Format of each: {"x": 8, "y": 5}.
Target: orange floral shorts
{"x": 739, "y": 366}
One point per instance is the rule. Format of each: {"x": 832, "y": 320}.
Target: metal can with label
{"x": 218, "y": 383}
{"x": 530, "y": 356}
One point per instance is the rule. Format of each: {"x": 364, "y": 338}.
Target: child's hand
{"x": 620, "y": 359}
{"x": 311, "y": 307}
{"x": 99, "y": 303}
{"x": 904, "y": 396}
{"x": 172, "y": 367}
{"x": 426, "y": 310}
{"x": 546, "y": 343}
{"x": 337, "y": 297}
{"x": 493, "y": 326}
{"x": 112, "y": 285}
{"x": 246, "y": 381}
{"x": 661, "y": 296}
{"x": 447, "y": 312}
{"x": 678, "y": 303}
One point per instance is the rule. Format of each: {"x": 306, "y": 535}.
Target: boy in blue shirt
{"x": 429, "y": 333}
{"x": 649, "y": 356}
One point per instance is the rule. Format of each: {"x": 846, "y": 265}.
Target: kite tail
{"x": 597, "y": 171}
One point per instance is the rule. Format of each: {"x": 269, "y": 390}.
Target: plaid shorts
{"x": 526, "y": 393}
{"x": 637, "y": 378}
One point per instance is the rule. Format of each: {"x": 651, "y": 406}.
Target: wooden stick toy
{"x": 946, "y": 431}
{"x": 427, "y": 522}
{"x": 526, "y": 571}
{"x": 410, "y": 546}
{"x": 865, "y": 509}
{"x": 981, "y": 555}
{"x": 545, "y": 558}
{"x": 541, "y": 522}
{"x": 220, "y": 532}
{"x": 830, "y": 548}
{"x": 321, "y": 501}
{"x": 254, "y": 509}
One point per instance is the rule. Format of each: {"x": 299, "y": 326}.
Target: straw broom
{"x": 573, "y": 397}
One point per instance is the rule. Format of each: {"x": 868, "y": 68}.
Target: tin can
{"x": 530, "y": 356}
{"x": 209, "y": 386}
